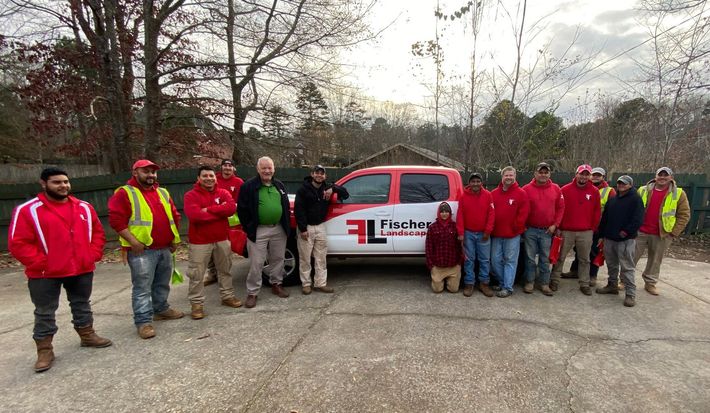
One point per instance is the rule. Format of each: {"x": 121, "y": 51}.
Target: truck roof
{"x": 410, "y": 168}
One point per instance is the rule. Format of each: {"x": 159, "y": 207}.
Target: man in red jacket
{"x": 208, "y": 208}
{"x": 579, "y": 223}
{"x": 474, "y": 224}
{"x": 228, "y": 180}
{"x": 146, "y": 220}
{"x": 546, "y": 208}
{"x": 512, "y": 207}
{"x": 59, "y": 239}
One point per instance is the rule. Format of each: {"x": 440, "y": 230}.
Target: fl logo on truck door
{"x": 365, "y": 231}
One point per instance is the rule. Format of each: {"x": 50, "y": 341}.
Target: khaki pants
{"x": 583, "y": 241}
{"x": 450, "y": 275}
{"x": 270, "y": 243}
{"x": 656, "y": 247}
{"x": 316, "y": 245}
{"x": 199, "y": 256}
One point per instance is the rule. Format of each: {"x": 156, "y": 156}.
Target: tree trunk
{"x": 153, "y": 104}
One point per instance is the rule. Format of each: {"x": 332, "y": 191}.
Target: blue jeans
{"x": 505, "y": 260}
{"x": 537, "y": 242}
{"x": 150, "y": 274}
{"x": 475, "y": 248}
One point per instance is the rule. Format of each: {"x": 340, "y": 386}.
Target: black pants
{"x": 44, "y": 293}
{"x": 593, "y": 269}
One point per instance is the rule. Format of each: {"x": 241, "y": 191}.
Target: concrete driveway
{"x": 382, "y": 343}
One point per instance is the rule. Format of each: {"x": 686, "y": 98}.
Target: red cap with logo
{"x": 585, "y": 167}
{"x": 144, "y": 163}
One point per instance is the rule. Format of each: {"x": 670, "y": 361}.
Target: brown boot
{"x": 528, "y": 289}
{"x": 651, "y": 289}
{"x": 198, "y": 311}
{"x": 467, "y": 290}
{"x": 45, "y": 355}
{"x": 278, "y": 289}
{"x": 89, "y": 338}
{"x": 485, "y": 289}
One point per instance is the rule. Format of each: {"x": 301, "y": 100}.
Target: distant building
{"x": 406, "y": 154}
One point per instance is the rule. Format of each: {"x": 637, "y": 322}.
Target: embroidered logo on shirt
{"x": 510, "y": 201}
{"x": 588, "y": 197}
{"x": 231, "y": 188}
{"x": 216, "y": 200}
{"x": 83, "y": 218}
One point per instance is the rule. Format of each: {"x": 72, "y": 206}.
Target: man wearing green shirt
{"x": 264, "y": 212}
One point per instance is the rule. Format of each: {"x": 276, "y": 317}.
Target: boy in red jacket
{"x": 59, "y": 239}
{"x": 474, "y": 224}
{"x": 579, "y": 223}
{"x": 511, "y": 205}
{"x": 208, "y": 209}
{"x": 443, "y": 251}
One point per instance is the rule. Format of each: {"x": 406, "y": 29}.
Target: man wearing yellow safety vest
{"x": 145, "y": 218}
{"x": 598, "y": 179}
{"x": 228, "y": 180}
{"x": 667, "y": 214}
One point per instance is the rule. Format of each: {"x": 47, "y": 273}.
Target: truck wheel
{"x": 291, "y": 264}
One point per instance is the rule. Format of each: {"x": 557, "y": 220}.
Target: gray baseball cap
{"x": 599, "y": 170}
{"x": 626, "y": 179}
{"x": 665, "y": 169}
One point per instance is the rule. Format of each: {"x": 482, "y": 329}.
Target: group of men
{"x": 59, "y": 239}
{"x": 586, "y": 213}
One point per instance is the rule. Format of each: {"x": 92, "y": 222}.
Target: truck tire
{"x": 291, "y": 265}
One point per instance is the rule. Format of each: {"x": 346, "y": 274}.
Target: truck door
{"x": 354, "y": 224}
{"x": 416, "y": 207}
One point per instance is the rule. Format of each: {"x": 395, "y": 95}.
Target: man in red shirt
{"x": 667, "y": 214}
{"x": 474, "y": 224}
{"x": 579, "y": 222}
{"x": 59, "y": 239}
{"x": 207, "y": 208}
{"x": 146, "y": 220}
{"x": 512, "y": 207}
{"x": 228, "y": 180}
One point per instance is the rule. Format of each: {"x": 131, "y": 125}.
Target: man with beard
{"x": 59, "y": 239}
{"x": 579, "y": 222}
{"x": 310, "y": 209}
{"x": 146, "y": 220}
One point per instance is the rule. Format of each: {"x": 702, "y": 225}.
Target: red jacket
{"x": 476, "y": 211}
{"x": 211, "y": 225}
{"x": 583, "y": 207}
{"x": 512, "y": 208}
{"x": 547, "y": 204}
{"x": 231, "y": 185}
{"x": 119, "y": 212}
{"x": 49, "y": 246}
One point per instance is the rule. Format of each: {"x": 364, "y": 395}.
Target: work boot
{"x": 198, "y": 311}
{"x": 592, "y": 281}
{"x": 609, "y": 289}
{"x": 277, "y": 289}
{"x": 554, "y": 285}
{"x": 232, "y": 302}
{"x": 585, "y": 289}
{"x": 629, "y": 301}
{"x": 545, "y": 289}
{"x": 306, "y": 289}
{"x": 468, "y": 290}
{"x": 503, "y": 293}
{"x": 250, "y": 301}
{"x": 146, "y": 331}
{"x": 485, "y": 289}
{"x": 89, "y": 338}
{"x": 169, "y": 314}
{"x": 528, "y": 288}
{"x": 651, "y": 288}
{"x": 45, "y": 354}
{"x": 569, "y": 274}
{"x": 324, "y": 289}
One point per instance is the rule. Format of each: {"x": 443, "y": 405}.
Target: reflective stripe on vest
{"x": 141, "y": 222}
{"x": 604, "y": 192}
{"x": 668, "y": 208}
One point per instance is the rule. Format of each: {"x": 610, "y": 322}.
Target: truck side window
{"x": 421, "y": 188}
{"x": 368, "y": 189}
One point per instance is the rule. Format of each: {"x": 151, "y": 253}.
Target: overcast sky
{"x": 385, "y": 69}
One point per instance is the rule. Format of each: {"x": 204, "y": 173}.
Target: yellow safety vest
{"x": 604, "y": 195}
{"x": 141, "y": 222}
{"x": 668, "y": 208}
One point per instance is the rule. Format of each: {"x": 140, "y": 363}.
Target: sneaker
{"x": 232, "y": 302}
{"x": 485, "y": 289}
{"x": 629, "y": 301}
{"x": 324, "y": 289}
{"x": 504, "y": 293}
{"x": 609, "y": 289}
{"x": 545, "y": 289}
{"x": 198, "y": 312}
{"x": 146, "y": 331}
{"x": 593, "y": 281}
{"x": 529, "y": 287}
{"x": 569, "y": 274}
{"x": 467, "y": 290}
{"x": 169, "y": 314}
{"x": 651, "y": 288}
{"x": 306, "y": 289}
{"x": 554, "y": 285}
{"x": 586, "y": 290}
{"x": 496, "y": 287}
{"x": 250, "y": 301}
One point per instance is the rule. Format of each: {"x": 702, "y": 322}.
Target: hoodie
{"x": 476, "y": 211}
{"x": 212, "y": 225}
{"x": 582, "y": 207}
{"x": 547, "y": 205}
{"x": 512, "y": 208}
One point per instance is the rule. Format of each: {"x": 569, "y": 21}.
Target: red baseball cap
{"x": 144, "y": 163}
{"x": 585, "y": 167}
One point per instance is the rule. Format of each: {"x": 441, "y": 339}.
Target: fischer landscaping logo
{"x": 368, "y": 232}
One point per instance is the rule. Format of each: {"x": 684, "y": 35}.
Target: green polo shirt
{"x": 270, "y": 209}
